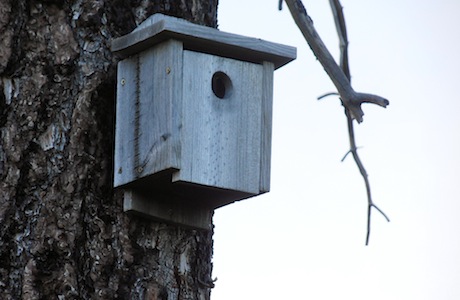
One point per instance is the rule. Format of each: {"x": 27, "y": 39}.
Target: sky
{"x": 305, "y": 239}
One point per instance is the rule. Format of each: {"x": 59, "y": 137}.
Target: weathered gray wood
{"x": 162, "y": 208}
{"x": 221, "y": 138}
{"x": 203, "y": 39}
{"x": 160, "y": 82}
{"x": 266, "y": 127}
{"x": 148, "y": 113}
{"x": 127, "y": 97}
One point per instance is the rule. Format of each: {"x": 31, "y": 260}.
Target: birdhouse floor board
{"x": 152, "y": 206}
{"x": 162, "y": 186}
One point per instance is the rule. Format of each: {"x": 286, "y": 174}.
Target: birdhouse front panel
{"x": 222, "y": 122}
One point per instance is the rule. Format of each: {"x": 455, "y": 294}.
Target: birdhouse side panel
{"x": 160, "y": 93}
{"x": 222, "y": 102}
{"x": 125, "y": 121}
{"x": 266, "y": 126}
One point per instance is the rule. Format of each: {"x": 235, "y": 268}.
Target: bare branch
{"x": 342, "y": 32}
{"x": 354, "y": 151}
{"x": 351, "y": 99}
{"x": 339, "y": 20}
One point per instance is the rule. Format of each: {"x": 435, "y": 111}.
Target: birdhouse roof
{"x": 159, "y": 28}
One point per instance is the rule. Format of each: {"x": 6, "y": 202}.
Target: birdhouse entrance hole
{"x": 221, "y": 85}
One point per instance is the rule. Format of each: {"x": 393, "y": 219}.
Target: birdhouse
{"x": 193, "y": 118}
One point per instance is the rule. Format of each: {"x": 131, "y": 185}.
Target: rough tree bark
{"x": 63, "y": 233}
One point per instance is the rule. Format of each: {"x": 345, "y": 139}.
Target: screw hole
{"x": 221, "y": 85}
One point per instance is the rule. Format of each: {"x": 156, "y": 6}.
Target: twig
{"x": 362, "y": 170}
{"x": 346, "y": 154}
{"x": 327, "y": 95}
{"x": 351, "y": 100}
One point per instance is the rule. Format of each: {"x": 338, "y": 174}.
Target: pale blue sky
{"x": 305, "y": 239}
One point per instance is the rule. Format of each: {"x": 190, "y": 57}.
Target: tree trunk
{"x": 63, "y": 231}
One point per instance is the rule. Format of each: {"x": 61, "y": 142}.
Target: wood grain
{"x": 266, "y": 126}
{"x": 160, "y": 96}
{"x": 221, "y": 138}
{"x": 125, "y": 121}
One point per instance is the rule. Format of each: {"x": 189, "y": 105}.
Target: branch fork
{"x": 351, "y": 100}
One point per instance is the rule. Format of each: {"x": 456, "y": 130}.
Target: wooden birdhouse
{"x": 193, "y": 119}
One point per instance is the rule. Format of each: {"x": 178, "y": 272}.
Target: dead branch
{"x": 341, "y": 78}
{"x": 362, "y": 170}
{"x": 351, "y": 100}
{"x": 339, "y": 19}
